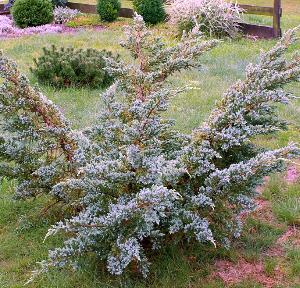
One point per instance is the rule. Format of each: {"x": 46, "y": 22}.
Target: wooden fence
{"x": 92, "y": 9}
{"x": 1, "y": 8}
{"x": 259, "y": 31}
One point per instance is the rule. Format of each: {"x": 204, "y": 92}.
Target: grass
{"x": 285, "y": 200}
{"x": 254, "y": 244}
{"x": 270, "y": 266}
{"x": 293, "y": 255}
{"x": 22, "y": 226}
{"x": 85, "y": 20}
{"x": 286, "y": 208}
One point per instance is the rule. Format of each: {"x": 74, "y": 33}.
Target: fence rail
{"x": 259, "y": 10}
{"x": 260, "y": 30}
{"x": 1, "y": 8}
{"x": 92, "y": 9}
{"x": 250, "y": 29}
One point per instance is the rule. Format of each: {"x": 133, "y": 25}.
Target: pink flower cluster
{"x": 8, "y": 28}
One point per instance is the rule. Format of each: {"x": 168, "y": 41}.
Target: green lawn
{"x": 23, "y": 225}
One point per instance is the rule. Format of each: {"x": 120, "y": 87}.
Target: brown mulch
{"x": 234, "y": 273}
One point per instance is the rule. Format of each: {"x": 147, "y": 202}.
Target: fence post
{"x": 276, "y": 18}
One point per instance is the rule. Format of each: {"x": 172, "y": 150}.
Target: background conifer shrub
{"x": 216, "y": 18}
{"x": 153, "y": 11}
{"x": 145, "y": 183}
{"x": 30, "y": 13}
{"x": 64, "y": 67}
{"x": 108, "y": 10}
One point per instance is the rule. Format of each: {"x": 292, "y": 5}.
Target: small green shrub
{"x": 153, "y": 11}
{"x": 69, "y": 67}
{"x": 108, "y": 9}
{"x": 30, "y": 13}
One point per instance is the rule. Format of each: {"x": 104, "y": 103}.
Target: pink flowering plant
{"x": 64, "y": 14}
{"x": 6, "y": 25}
{"x": 215, "y": 17}
{"x": 8, "y": 28}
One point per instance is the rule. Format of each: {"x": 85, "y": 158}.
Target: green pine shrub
{"x": 108, "y": 10}
{"x": 67, "y": 67}
{"x": 30, "y": 13}
{"x": 152, "y": 11}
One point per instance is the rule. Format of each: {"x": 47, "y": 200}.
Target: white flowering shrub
{"x": 216, "y": 18}
{"x": 64, "y": 14}
{"x": 146, "y": 183}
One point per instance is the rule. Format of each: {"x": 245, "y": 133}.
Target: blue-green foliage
{"x": 143, "y": 182}
{"x": 37, "y": 145}
{"x": 146, "y": 182}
